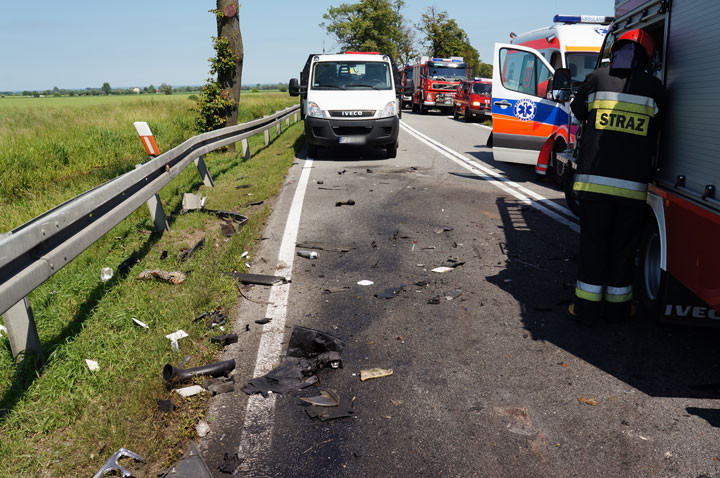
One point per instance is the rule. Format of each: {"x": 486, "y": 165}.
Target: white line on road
{"x": 522, "y": 193}
{"x": 260, "y": 412}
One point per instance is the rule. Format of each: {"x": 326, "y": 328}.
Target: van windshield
{"x": 446, "y": 72}
{"x": 580, "y": 65}
{"x": 357, "y": 75}
{"x": 482, "y": 88}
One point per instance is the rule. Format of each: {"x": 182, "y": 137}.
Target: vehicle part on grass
{"x": 191, "y": 465}
{"x": 323, "y": 247}
{"x": 186, "y": 254}
{"x": 113, "y": 465}
{"x": 140, "y": 323}
{"x": 219, "y": 385}
{"x": 174, "y": 337}
{"x": 244, "y": 254}
{"x": 440, "y": 230}
{"x": 349, "y": 202}
{"x": 190, "y": 391}
{"x": 443, "y": 269}
{"x": 227, "y": 229}
{"x": 308, "y": 343}
{"x": 308, "y": 254}
{"x": 365, "y": 282}
{"x": 163, "y": 255}
{"x": 230, "y": 463}
{"x": 243, "y": 186}
{"x": 229, "y": 215}
{"x": 92, "y": 365}
{"x": 390, "y": 292}
{"x": 192, "y": 202}
{"x": 106, "y": 274}
{"x": 173, "y": 375}
{"x": 166, "y": 406}
{"x": 264, "y": 321}
{"x": 224, "y": 340}
{"x": 125, "y": 265}
{"x": 254, "y": 203}
{"x": 175, "y": 277}
{"x": 333, "y": 290}
{"x": 216, "y": 318}
{"x": 202, "y": 428}
{"x": 260, "y": 279}
{"x": 327, "y": 398}
{"x": 329, "y": 413}
{"x": 371, "y": 373}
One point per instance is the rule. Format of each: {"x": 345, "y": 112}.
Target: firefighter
{"x": 619, "y": 106}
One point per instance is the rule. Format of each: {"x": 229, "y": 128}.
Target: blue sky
{"x": 74, "y": 44}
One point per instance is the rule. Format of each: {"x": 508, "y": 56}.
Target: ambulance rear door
{"x": 523, "y": 119}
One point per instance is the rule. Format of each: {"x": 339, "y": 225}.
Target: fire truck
{"x": 678, "y": 260}
{"x": 406, "y": 86}
{"x": 435, "y": 82}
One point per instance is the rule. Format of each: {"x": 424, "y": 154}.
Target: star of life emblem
{"x": 525, "y": 109}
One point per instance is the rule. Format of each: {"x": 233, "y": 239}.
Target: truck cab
{"x": 472, "y": 99}
{"x": 349, "y": 99}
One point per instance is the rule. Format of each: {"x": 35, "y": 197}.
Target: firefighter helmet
{"x": 640, "y": 37}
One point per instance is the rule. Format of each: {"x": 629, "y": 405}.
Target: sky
{"x": 82, "y": 44}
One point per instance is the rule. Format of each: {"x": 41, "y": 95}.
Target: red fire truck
{"x": 679, "y": 261}
{"x": 435, "y": 81}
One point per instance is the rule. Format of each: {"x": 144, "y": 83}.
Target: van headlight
{"x": 314, "y": 111}
{"x": 389, "y": 110}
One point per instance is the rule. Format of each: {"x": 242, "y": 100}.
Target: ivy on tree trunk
{"x": 229, "y": 80}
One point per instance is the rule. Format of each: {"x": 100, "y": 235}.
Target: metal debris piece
{"x": 224, "y": 340}
{"x": 327, "y": 398}
{"x": 322, "y": 246}
{"x": 453, "y": 262}
{"x": 390, "y": 292}
{"x": 106, "y": 274}
{"x": 219, "y": 385}
{"x": 113, "y": 465}
{"x": 190, "y": 391}
{"x": 174, "y": 337}
{"x": 308, "y": 254}
{"x": 434, "y": 300}
{"x": 186, "y": 254}
{"x": 349, "y": 202}
{"x": 422, "y": 283}
{"x": 254, "y": 203}
{"x": 192, "y": 202}
{"x": 259, "y": 279}
{"x": 264, "y": 321}
{"x": 175, "y": 277}
{"x": 341, "y": 172}
{"x": 332, "y": 290}
{"x": 191, "y": 465}
{"x": 166, "y": 406}
{"x": 369, "y": 170}
{"x": 230, "y": 215}
{"x": 371, "y": 373}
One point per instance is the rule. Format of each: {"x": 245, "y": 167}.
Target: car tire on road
{"x": 650, "y": 277}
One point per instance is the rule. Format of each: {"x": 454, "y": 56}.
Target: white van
{"x": 349, "y": 98}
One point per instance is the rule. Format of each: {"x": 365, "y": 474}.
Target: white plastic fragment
{"x": 365, "y": 282}
{"x": 190, "y": 391}
{"x": 92, "y": 365}
{"x": 174, "y": 337}
{"x": 202, "y": 428}
{"x": 140, "y": 323}
{"x": 442, "y": 269}
{"x": 106, "y": 274}
{"x": 243, "y": 254}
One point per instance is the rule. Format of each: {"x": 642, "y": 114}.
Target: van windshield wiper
{"x": 361, "y": 85}
{"x": 328, "y": 85}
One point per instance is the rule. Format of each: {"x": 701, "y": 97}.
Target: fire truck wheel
{"x": 571, "y": 197}
{"x": 456, "y": 115}
{"x": 392, "y": 150}
{"x": 421, "y": 108}
{"x": 650, "y": 277}
{"x": 414, "y": 107}
{"x": 312, "y": 151}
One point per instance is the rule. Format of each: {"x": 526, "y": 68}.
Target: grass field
{"x": 64, "y": 420}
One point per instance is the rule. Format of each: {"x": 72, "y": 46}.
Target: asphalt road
{"x": 493, "y": 380}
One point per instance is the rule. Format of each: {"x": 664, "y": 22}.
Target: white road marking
{"x": 260, "y": 412}
{"x": 522, "y": 193}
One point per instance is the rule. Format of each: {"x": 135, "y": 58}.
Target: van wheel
{"x": 571, "y": 196}
{"x": 312, "y": 151}
{"x": 392, "y": 150}
{"x": 650, "y": 276}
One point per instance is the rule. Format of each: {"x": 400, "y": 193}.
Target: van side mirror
{"x": 560, "y": 90}
{"x": 294, "y": 87}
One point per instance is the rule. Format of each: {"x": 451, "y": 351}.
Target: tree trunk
{"x": 228, "y": 26}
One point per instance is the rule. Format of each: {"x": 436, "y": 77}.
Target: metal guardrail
{"x": 33, "y": 252}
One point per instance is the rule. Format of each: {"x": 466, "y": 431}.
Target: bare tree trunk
{"x": 228, "y": 26}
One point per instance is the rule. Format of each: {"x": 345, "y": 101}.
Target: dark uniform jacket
{"x": 618, "y": 138}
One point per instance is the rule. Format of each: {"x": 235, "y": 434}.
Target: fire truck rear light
{"x": 583, "y": 19}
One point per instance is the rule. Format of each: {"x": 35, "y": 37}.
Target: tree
{"x": 369, "y": 25}
{"x": 445, "y": 38}
{"x": 485, "y": 70}
{"x": 165, "y": 89}
{"x": 106, "y": 88}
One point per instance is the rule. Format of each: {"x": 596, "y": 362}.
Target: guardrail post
{"x": 279, "y": 127}
{"x": 21, "y": 330}
{"x": 245, "y": 148}
{"x": 287, "y": 121}
{"x": 157, "y": 213}
{"x": 267, "y": 137}
{"x": 295, "y": 118}
{"x": 204, "y": 174}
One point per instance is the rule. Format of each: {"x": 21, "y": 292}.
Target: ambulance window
{"x": 523, "y": 72}
{"x": 580, "y": 65}
{"x": 556, "y": 60}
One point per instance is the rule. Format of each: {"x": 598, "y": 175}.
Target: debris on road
{"x": 175, "y": 277}
{"x": 202, "y": 428}
{"x": 140, "y": 323}
{"x": 329, "y": 413}
{"x": 368, "y": 170}
{"x": 113, "y": 465}
{"x": 264, "y": 321}
{"x": 166, "y": 406}
{"x": 173, "y": 375}
{"x": 230, "y": 463}
{"x": 308, "y": 254}
{"x": 174, "y": 337}
{"x": 434, "y": 300}
{"x": 260, "y": 279}
{"x": 190, "y": 391}
{"x": 92, "y": 365}
{"x": 453, "y": 294}
{"x": 390, "y": 292}
{"x": 106, "y": 274}
{"x": 588, "y": 401}
{"x": 365, "y": 282}
{"x": 191, "y": 465}
{"x": 186, "y": 254}
{"x": 219, "y": 385}
{"x": 287, "y": 377}
{"x": 327, "y": 398}
{"x": 443, "y": 269}
{"x": 372, "y": 373}
{"x": 453, "y": 263}
{"x": 192, "y": 202}
{"x": 323, "y": 247}
{"x": 349, "y": 202}
{"x": 308, "y": 343}
{"x": 333, "y": 290}
{"x": 224, "y": 340}
{"x": 341, "y": 172}
{"x": 397, "y": 403}
{"x": 440, "y": 230}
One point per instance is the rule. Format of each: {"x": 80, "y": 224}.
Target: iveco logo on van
{"x": 352, "y": 113}
{"x": 690, "y": 311}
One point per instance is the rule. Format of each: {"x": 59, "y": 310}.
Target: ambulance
{"x": 527, "y": 127}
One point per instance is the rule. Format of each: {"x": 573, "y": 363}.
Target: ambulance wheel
{"x": 312, "y": 151}
{"x": 392, "y": 150}
{"x": 571, "y": 197}
{"x": 650, "y": 277}
{"x": 456, "y": 115}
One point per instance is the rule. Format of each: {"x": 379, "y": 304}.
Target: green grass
{"x": 64, "y": 420}
{"x": 83, "y": 101}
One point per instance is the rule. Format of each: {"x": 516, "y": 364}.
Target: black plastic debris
{"x": 247, "y": 327}
{"x": 260, "y": 279}
{"x": 341, "y": 172}
{"x": 212, "y": 319}
{"x": 369, "y": 170}
{"x": 349, "y": 202}
{"x": 390, "y": 292}
{"x": 243, "y": 186}
{"x": 233, "y": 216}
{"x": 327, "y": 398}
{"x": 219, "y": 385}
{"x": 227, "y": 229}
{"x": 113, "y": 465}
{"x": 173, "y": 375}
{"x": 264, "y": 321}
{"x": 307, "y": 343}
{"x": 322, "y": 246}
{"x": 224, "y": 340}
{"x": 254, "y": 203}
{"x": 329, "y": 413}
{"x": 186, "y": 254}
{"x": 166, "y": 406}
{"x": 422, "y": 283}
{"x": 230, "y": 463}
{"x": 453, "y": 263}
{"x": 434, "y": 300}
{"x": 320, "y": 181}
{"x": 191, "y": 465}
